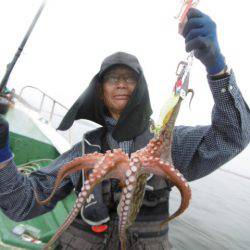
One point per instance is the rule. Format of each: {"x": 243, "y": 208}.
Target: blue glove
{"x": 5, "y": 152}
{"x": 200, "y": 36}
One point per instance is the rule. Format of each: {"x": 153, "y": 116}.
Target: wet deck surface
{"x": 219, "y": 213}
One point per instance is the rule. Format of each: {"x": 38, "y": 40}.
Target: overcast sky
{"x": 72, "y": 37}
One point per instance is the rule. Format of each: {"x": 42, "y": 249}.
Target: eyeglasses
{"x": 114, "y": 79}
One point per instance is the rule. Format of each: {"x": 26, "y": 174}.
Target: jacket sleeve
{"x": 17, "y": 199}
{"x": 198, "y": 151}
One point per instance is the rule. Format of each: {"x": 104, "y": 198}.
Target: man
{"x": 118, "y": 99}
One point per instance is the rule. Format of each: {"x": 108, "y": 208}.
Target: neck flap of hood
{"x": 135, "y": 117}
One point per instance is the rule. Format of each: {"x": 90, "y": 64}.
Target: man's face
{"x": 118, "y": 86}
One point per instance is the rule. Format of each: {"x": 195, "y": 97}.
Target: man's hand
{"x": 5, "y": 152}
{"x": 200, "y": 36}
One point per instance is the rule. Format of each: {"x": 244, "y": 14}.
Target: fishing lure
{"x": 182, "y": 15}
{"x": 180, "y": 89}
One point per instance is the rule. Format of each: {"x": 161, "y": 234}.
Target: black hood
{"x": 135, "y": 117}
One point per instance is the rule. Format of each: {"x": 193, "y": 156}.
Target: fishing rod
{"x": 11, "y": 65}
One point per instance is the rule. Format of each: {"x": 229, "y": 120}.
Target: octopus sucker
{"x": 131, "y": 178}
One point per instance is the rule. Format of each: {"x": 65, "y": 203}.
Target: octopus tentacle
{"x": 80, "y": 201}
{"x": 101, "y": 171}
{"x": 79, "y": 163}
{"x": 167, "y": 171}
{"x": 121, "y": 165}
{"x": 131, "y": 199}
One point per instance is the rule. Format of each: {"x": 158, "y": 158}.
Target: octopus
{"x": 132, "y": 172}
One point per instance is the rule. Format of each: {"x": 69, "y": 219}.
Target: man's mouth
{"x": 122, "y": 97}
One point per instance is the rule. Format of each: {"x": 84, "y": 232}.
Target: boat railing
{"x": 52, "y": 112}
{"x": 44, "y": 96}
{"x": 39, "y": 104}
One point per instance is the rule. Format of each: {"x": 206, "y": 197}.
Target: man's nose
{"x": 121, "y": 82}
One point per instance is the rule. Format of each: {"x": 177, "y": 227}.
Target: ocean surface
{"x": 219, "y": 213}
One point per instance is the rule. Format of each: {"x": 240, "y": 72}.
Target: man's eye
{"x": 116, "y": 79}
{"x": 110, "y": 79}
{"x": 130, "y": 79}
{"x": 113, "y": 79}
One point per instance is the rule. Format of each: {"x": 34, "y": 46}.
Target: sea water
{"x": 219, "y": 213}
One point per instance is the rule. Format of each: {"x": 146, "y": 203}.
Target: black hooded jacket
{"x": 135, "y": 117}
